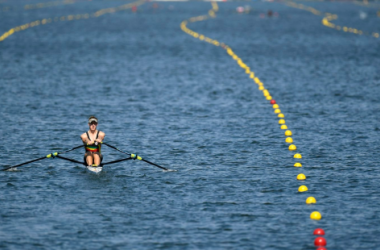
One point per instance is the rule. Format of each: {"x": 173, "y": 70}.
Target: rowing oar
{"x": 56, "y": 154}
{"x": 135, "y": 156}
{"x": 116, "y": 161}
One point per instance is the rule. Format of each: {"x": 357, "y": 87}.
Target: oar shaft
{"x": 48, "y": 156}
{"x": 115, "y": 148}
{"x": 72, "y": 160}
{"x": 134, "y": 156}
{"x": 116, "y": 161}
{"x": 71, "y": 149}
{"x": 24, "y": 163}
{"x": 154, "y": 164}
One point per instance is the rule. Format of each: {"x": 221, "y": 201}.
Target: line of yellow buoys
{"x": 48, "y": 4}
{"x": 70, "y": 18}
{"x": 268, "y": 96}
{"x": 328, "y": 17}
{"x": 368, "y": 4}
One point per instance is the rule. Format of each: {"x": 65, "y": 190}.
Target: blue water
{"x": 186, "y": 105}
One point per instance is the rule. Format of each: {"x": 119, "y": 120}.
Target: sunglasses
{"x": 93, "y": 123}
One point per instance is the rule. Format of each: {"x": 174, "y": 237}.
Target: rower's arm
{"x": 101, "y": 136}
{"x": 84, "y": 139}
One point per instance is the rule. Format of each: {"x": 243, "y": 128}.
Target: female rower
{"x": 92, "y": 140}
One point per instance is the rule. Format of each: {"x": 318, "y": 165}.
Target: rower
{"x": 92, "y": 140}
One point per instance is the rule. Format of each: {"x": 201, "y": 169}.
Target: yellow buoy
{"x": 298, "y": 156}
{"x": 301, "y": 177}
{"x": 292, "y": 147}
{"x": 277, "y": 111}
{"x": 315, "y": 215}
{"x": 297, "y": 165}
{"x": 302, "y": 188}
{"x": 288, "y": 133}
{"x": 261, "y": 87}
{"x": 284, "y": 127}
{"x": 269, "y": 98}
{"x": 281, "y": 116}
{"x": 281, "y": 121}
{"x": 311, "y": 200}
{"x": 289, "y": 140}
{"x": 275, "y": 106}
{"x": 266, "y": 93}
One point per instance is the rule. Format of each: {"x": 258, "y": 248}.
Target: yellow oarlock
{"x": 134, "y": 156}
{"x": 53, "y": 154}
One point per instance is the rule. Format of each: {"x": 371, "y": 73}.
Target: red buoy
{"x": 319, "y": 231}
{"x": 321, "y": 248}
{"x": 272, "y": 102}
{"x": 134, "y": 8}
{"x": 320, "y": 242}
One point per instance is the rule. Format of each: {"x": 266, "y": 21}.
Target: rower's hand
{"x": 98, "y": 140}
{"x": 90, "y": 142}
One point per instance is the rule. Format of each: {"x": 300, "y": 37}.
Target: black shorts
{"x": 88, "y": 153}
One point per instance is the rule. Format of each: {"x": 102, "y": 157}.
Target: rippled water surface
{"x": 186, "y": 105}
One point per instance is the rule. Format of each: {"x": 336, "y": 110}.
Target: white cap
{"x": 93, "y": 119}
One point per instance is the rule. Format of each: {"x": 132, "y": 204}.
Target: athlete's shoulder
{"x": 84, "y": 135}
{"x": 101, "y": 133}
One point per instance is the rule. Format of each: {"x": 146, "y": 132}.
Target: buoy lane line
{"x": 69, "y": 18}
{"x": 330, "y": 17}
{"x": 211, "y": 14}
{"x": 288, "y": 133}
{"x": 42, "y": 5}
{"x": 47, "y": 4}
{"x": 367, "y": 4}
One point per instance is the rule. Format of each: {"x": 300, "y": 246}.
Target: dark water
{"x": 186, "y": 105}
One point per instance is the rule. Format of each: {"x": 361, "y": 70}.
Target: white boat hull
{"x": 94, "y": 169}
